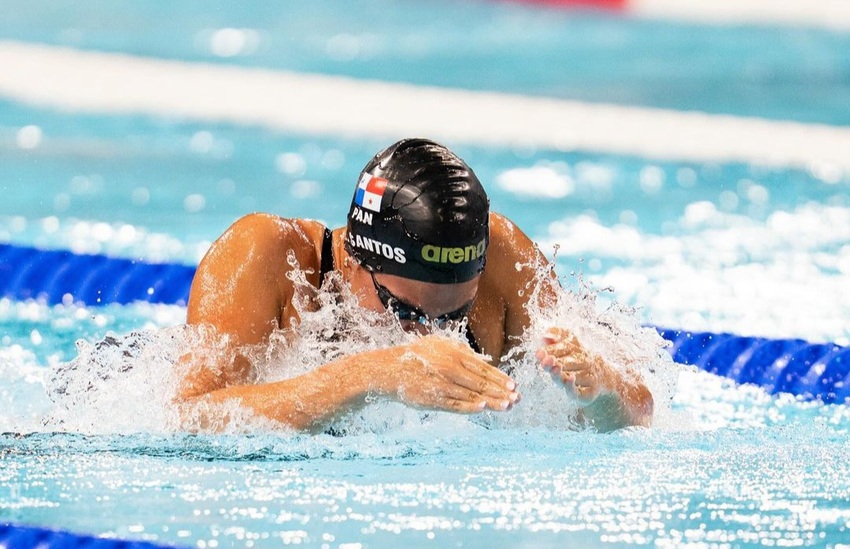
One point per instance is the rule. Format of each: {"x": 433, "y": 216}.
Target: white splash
{"x": 121, "y": 384}
{"x": 126, "y": 383}
{"x": 786, "y": 276}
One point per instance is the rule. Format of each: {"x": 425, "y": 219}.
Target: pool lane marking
{"x": 106, "y": 83}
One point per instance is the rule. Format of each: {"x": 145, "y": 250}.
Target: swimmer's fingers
{"x": 437, "y": 373}
{"x": 585, "y": 373}
{"x": 558, "y": 342}
{"x": 585, "y": 383}
{"x": 465, "y": 406}
{"x": 582, "y": 390}
{"x": 474, "y": 400}
{"x": 475, "y": 373}
{"x": 446, "y": 392}
{"x": 576, "y": 360}
{"x": 565, "y": 348}
{"x": 562, "y": 348}
{"x": 555, "y": 335}
{"x": 472, "y": 380}
{"x": 493, "y": 375}
{"x": 488, "y": 382}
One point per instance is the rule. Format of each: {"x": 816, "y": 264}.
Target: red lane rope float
{"x": 819, "y": 371}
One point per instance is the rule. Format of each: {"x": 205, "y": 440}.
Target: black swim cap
{"x": 419, "y": 212}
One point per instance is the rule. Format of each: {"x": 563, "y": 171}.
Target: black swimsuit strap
{"x": 327, "y": 264}
{"x": 471, "y": 339}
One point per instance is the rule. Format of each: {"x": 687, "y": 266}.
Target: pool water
{"x": 745, "y": 247}
{"x": 742, "y": 485}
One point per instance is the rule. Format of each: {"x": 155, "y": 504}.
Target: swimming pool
{"x": 751, "y": 247}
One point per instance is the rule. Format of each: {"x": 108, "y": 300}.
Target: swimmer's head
{"x": 419, "y": 212}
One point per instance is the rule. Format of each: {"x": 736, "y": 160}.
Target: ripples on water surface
{"x": 728, "y": 466}
{"x": 449, "y": 484}
{"x": 731, "y": 467}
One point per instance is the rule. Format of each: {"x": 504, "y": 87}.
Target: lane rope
{"x": 812, "y": 371}
{"x": 60, "y": 276}
{"x": 29, "y": 537}
{"x": 315, "y": 104}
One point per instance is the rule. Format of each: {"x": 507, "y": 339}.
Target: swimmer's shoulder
{"x": 514, "y": 262}
{"x": 254, "y": 256}
{"x": 509, "y": 248}
{"x": 268, "y": 236}
{"x": 274, "y": 228}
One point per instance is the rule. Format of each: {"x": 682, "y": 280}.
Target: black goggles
{"x": 406, "y": 311}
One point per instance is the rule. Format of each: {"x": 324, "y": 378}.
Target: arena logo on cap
{"x": 440, "y": 254}
{"x": 370, "y": 191}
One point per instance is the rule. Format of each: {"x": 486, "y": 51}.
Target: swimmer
{"x": 421, "y": 242}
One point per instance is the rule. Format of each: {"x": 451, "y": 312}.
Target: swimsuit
{"x": 327, "y": 266}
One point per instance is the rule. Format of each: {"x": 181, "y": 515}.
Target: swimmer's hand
{"x": 438, "y": 373}
{"x": 608, "y": 399}
{"x": 585, "y": 377}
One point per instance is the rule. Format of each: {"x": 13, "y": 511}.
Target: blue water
{"x": 93, "y": 166}
{"x": 726, "y": 246}
{"x": 530, "y": 488}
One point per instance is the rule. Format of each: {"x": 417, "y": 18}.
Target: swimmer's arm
{"x": 618, "y": 400}
{"x": 243, "y": 292}
{"x": 433, "y": 373}
{"x": 305, "y": 403}
{"x": 520, "y": 273}
{"x": 628, "y": 404}
{"x": 609, "y": 399}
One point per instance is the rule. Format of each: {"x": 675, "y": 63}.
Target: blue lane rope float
{"x": 810, "y": 370}
{"x": 58, "y": 276}
{"x": 26, "y": 537}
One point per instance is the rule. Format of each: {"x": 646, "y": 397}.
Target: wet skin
{"x": 242, "y": 290}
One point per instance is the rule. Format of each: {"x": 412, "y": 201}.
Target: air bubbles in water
{"x": 728, "y": 201}
{"x": 829, "y": 173}
{"x": 290, "y": 163}
{"x": 304, "y": 188}
{"x": 539, "y": 181}
{"x": 140, "y": 196}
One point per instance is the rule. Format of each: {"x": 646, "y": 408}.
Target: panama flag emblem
{"x": 370, "y": 190}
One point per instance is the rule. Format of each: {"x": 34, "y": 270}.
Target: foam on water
{"x": 695, "y": 275}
